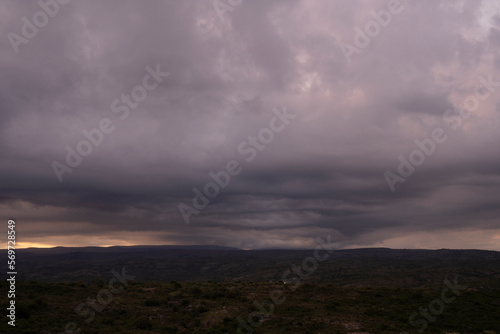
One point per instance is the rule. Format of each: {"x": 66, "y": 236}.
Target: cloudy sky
{"x": 114, "y": 113}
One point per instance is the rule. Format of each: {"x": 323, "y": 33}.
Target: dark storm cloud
{"x": 323, "y": 174}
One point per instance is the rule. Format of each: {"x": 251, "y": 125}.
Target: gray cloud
{"x": 323, "y": 174}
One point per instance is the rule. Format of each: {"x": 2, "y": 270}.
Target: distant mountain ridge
{"x": 376, "y": 267}
{"x": 110, "y": 249}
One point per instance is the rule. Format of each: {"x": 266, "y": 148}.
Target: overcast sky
{"x": 333, "y": 100}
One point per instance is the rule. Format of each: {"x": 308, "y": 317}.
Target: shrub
{"x": 151, "y": 302}
{"x": 143, "y": 323}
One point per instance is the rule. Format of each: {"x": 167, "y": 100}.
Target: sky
{"x": 251, "y": 123}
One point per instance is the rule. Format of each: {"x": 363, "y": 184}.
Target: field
{"x": 356, "y": 291}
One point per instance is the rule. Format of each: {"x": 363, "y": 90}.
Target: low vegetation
{"x": 214, "y": 307}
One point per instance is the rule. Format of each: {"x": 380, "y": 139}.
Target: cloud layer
{"x": 228, "y": 70}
